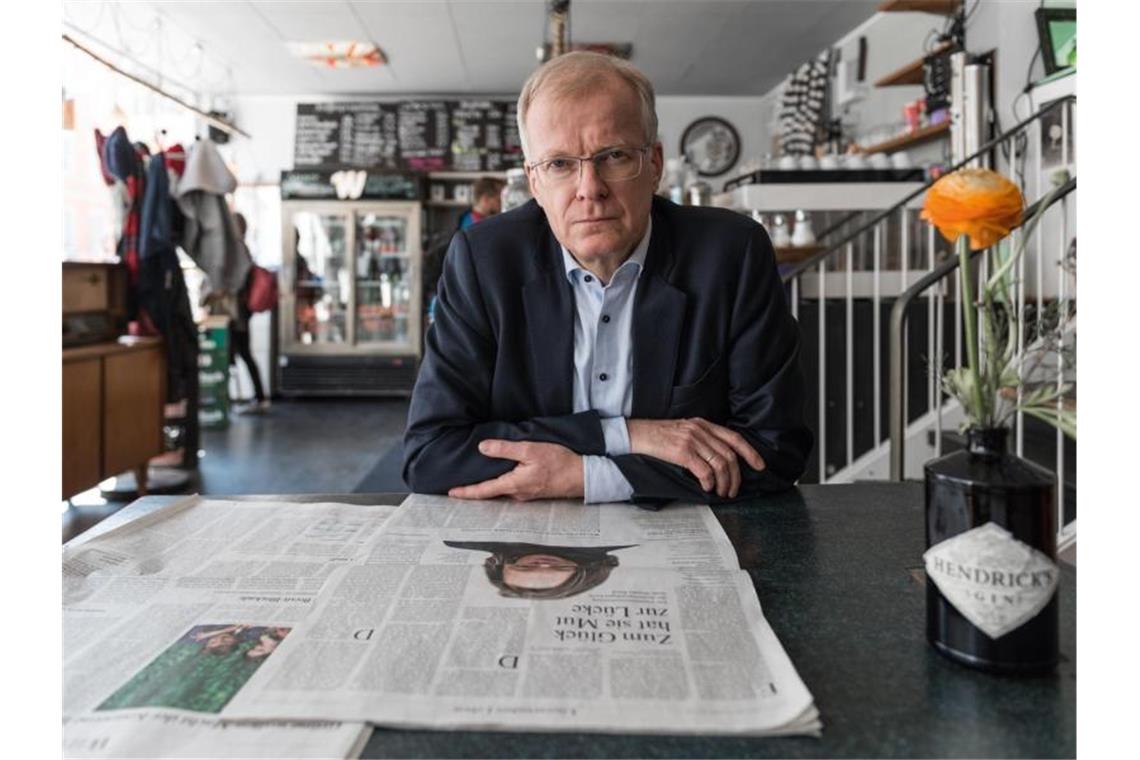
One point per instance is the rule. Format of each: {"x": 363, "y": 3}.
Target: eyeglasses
{"x": 611, "y": 165}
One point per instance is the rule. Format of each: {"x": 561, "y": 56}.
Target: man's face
{"x": 593, "y": 218}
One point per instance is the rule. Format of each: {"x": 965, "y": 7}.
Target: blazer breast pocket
{"x": 709, "y": 394}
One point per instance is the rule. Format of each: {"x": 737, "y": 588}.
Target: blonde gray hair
{"x": 575, "y": 74}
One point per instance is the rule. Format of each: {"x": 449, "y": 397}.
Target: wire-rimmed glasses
{"x": 616, "y": 164}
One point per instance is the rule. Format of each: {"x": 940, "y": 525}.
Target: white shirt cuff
{"x": 616, "y": 433}
{"x": 603, "y": 481}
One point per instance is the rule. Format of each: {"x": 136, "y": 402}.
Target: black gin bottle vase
{"x": 966, "y": 490}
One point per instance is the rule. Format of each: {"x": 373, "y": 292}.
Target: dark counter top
{"x": 838, "y": 572}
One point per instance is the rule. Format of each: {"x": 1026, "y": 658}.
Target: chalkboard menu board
{"x": 412, "y": 135}
{"x": 346, "y": 134}
{"x": 484, "y": 136}
{"x": 512, "y": 155}
{"x": 425, "y": 135}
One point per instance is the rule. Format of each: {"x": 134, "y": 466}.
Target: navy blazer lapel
{"x": 549, "y": 305}
{"x": 658, "y": 315}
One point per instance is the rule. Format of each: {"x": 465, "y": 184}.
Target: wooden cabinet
{"x": 113, "y": 396}
{"x": 82, "y": 433}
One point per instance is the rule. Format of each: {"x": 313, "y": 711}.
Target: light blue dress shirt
{"x": 603, "y": 364}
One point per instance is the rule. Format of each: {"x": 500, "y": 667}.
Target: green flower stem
{"x": 971, "y": 329}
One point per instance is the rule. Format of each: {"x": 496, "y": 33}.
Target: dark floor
{"x": 310, "y": 446}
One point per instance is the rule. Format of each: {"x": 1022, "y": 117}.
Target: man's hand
{"x": 705, "y": 449}
{"x": 544, "y": 471}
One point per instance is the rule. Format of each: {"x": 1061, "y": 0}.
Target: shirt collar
{"x": 637, "y": 259}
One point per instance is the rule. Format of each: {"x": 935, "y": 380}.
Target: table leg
{"x": 140, "y": 479}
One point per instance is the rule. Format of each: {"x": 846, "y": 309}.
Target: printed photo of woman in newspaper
{"x": 201, "y": 671}
{"x": 535, "y": 571}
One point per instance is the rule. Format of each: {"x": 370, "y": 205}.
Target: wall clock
{"x": 712, "y": 145}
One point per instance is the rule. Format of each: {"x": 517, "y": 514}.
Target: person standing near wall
{"x": 239, "y": 337}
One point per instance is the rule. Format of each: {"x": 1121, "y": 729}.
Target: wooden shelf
{"x": 909, "y": 140}
{"x": 125, "y": 344}
{"x": 939, "y": 7}
{"x": 912, "y": 72}
{"x": 792, "y": 254}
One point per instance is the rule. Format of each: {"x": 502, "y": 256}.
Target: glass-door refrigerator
{"x": 350, "y": 307}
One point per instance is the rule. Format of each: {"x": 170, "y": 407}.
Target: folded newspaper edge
{"x": 162, "y": 733}
{"x": 103, "y": 531}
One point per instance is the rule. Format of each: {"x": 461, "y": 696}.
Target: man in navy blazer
{"x": 601, "y": 342}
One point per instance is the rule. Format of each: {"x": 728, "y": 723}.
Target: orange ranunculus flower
{"x": 979, "y": 203}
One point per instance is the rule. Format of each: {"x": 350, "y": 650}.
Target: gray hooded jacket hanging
{"x": 210, "y": 236}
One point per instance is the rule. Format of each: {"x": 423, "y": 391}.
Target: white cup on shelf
{"x": 788, "y": 163}
{"x": 879, "y": 161}
{"x": 803, "y": 235}
{"x": 855, "y": 161}
{"x": 901, "y": 160}
{"x": 779, "y": 232}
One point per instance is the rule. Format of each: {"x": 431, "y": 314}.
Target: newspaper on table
{"x": 167, "y": 616}
{"x": 542, "y": 616}
{"x": 153, "y": 734}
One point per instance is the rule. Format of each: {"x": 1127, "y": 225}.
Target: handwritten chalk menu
{"x": 476, "y": 134}
{"x": 425, "y": 135}
{"x": 484, "y": 136}
{"x": 360, "y": 134}
{"x": 430, "y": 135}
{"x": 512, "y": 153}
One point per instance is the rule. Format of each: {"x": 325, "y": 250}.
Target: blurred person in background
{"x": 488, "y": 201}
{"x": 239, "y": 337}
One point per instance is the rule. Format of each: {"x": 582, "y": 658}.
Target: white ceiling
{"x": 686, "y": 47}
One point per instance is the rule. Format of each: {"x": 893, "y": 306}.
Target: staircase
{"x": 890, "y": 286}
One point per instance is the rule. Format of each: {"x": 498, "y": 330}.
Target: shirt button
{"x": 603, "y": 377}
{"x": 588, "y": 278}
{"x": 605, "y": 317}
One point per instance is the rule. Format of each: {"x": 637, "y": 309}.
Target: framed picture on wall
{"x": 712, "y": 145}
{"x": 1057, "y": 32}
